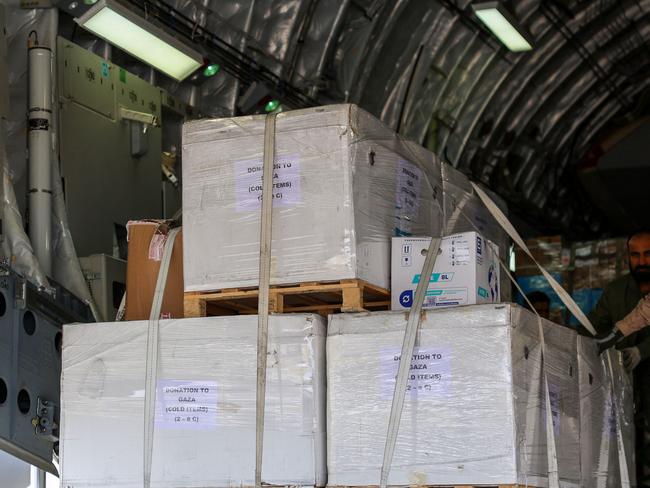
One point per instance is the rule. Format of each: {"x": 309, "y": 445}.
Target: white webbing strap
{"x": 577, "y": 313}
{"x": 551, "y": 443}
{"x": 551, "y": 446}
{"x": 119, "y": 316}
{"x": 584, "y": 321}
{"x": 508, "y": 227}
{"x": 410, "y": 334}
{"x": 151, "y": 367}
{"x": 618, "y": 410}
{"x": 159, "y": 291}
{"x": 264, "y": 285}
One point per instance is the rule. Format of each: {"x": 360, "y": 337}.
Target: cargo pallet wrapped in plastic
{"x": 604, "y": 401}
{"x": 474, "y": 411}
{"x": 204, "y": 425}
{"x": 343, "y": 185}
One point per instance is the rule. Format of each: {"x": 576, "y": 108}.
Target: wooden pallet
{"x": 309, "y": 297}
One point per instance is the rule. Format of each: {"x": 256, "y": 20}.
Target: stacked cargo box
{"x": 204, "y": 420}
{"x": 605, "y": 400}
{"x": 343, "y": 185}
{"x": 474, "y": 411}
{"x": 598, "y": 263}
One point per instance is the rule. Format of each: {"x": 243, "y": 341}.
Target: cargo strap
{"x": 508, "y": 227}
{"x": 408, "y": 345}
{"x": 551, "y": 443}
{"x": 119, "y": 316}
{"x": 151, "y": 368}
{"x": 264, "y": 285}
{"x": 582, "y": 318}
{"x": 622, "y": 457}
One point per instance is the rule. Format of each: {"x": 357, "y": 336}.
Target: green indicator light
{"x": 272, "y": 105}
{"x": 90, "y": 2}
{"x": 211, "y": 70}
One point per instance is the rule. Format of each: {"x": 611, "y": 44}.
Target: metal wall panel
{"x": 106, "y": 276}
{"x": 30, "y": 367}
{"x": 104, "y": 184}
{"x": 4, "y": 79}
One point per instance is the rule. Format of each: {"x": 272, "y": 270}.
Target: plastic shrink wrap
{"x": 211, "y": 442}
{"x": 464, "y": 212}
{"x": 474, "y": 410}
{"x": 343, "y": 185}
{"x": 599, "y": 405}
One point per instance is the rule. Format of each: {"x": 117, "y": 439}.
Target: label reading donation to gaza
{"x": 429, "y": 372}
{"x": 248, "y": 183}
{"x": 182, "y": 404}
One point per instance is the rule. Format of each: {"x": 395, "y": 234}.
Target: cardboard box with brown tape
{"x": 146, "y": 244}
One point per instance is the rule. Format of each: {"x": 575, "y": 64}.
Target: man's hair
{"x": 538, "y": 296}
{"x": 640, "y": 232}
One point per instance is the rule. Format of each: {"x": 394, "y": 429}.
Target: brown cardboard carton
{"x": 548, "y": 251}
{"x": 598, "y": 263}
{"x": 146, "y": 244}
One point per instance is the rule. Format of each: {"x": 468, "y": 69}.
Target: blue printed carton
{"x": 466, "y": 271}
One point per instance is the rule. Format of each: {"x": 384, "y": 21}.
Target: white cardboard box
{"x": 344, "y": 185}
{"x": 599, "y": 450}
{"x": 466, "y": 272}
{"x": 201, "y": 443}
{"x": 475, "y": 410}
{"x": 465, "y": 212}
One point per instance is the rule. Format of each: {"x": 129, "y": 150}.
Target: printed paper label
{"x": 286, "y": 183}
{"x": 407, "y": 196}
{"x": 446, "y": 297}
{"x": 429, "y": 372}
{"x": 189, "y": 405}
{"x": 460, "y": 254}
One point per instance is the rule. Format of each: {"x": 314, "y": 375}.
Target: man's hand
{"x": 631, "y": 358}
{"x": 608, "y": 341}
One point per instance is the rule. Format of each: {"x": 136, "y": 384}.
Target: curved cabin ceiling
{"x": 522, "y": 123}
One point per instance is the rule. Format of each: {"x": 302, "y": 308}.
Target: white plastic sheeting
{"x": 343, "y": 185}
{"x": 474, "y": 410}
{"x": 204, "y": 429}
{"x": 601, "y": 403}
{"x": 17, "y": 247}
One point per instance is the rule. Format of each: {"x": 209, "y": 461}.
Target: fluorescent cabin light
{"x": 125, "y": 29}
{"x": 503, "y": 25}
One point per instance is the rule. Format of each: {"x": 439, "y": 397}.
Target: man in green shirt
{"x": 619, "y": 299}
